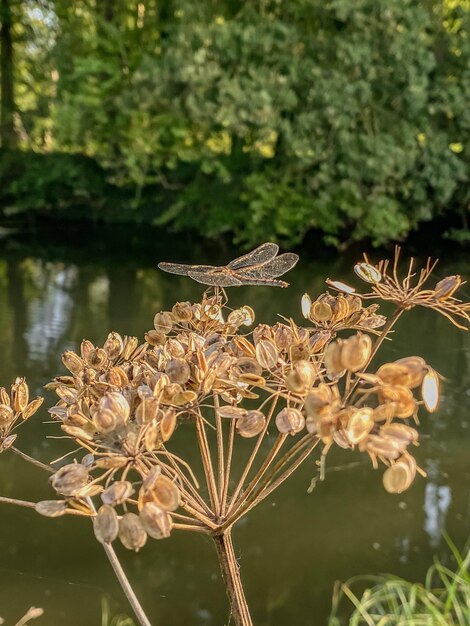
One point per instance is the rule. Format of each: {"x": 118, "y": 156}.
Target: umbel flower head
{"x": 207, "y": 367}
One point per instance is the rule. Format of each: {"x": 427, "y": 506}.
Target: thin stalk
{"x": 126, "y": 586}
{"x": 262, "y": 470}
{"x": 32, "y": 460}
{"x": 220, "y": 453}
{"x": 32, "y": 505}
{"x": 231, "y": 440}
{"x": 191, "y": 527}
{"x": 231, "y": 575}
{"x": 207, "y": 462}
{"x": 253, "y": 454}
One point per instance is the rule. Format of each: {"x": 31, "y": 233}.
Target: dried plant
{"x": 201, "y": 367}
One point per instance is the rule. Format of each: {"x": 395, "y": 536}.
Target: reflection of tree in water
{"x": 437, "y": 500}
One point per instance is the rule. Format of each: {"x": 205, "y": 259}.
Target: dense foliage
{"x": 262, "y": 119}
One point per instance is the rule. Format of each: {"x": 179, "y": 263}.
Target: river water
{"x": 295, "y": 545}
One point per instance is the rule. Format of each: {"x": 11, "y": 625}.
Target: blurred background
{"x": 134, "y": 132}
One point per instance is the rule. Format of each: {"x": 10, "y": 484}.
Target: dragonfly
{"x": 261, "y": 266}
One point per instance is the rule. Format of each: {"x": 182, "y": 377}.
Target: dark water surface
{"x": 294, "y": 546}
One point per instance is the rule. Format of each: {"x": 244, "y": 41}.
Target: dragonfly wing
{"x": 277, "y": 267}
{"x": 183, "y": 270}
{"x": 218, "y": 279}
{"x": 260, "y": 255}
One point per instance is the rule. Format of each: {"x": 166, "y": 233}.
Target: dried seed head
{"x": 113, "y": 346}
{"x": 368, "y": 273}
{"x": 251, "y": 424}
{"x": 300, "y": 378}
{"x": 400, "y": 432}
{"x": 402, "y": 397}
{"x": 106, "y": 524}
{"x": 360, "y": 424}
{"x": 332, "y": 359}
{"x": 182, "y": 312}
{"x": 178, "y": 371}
{"x": 398, "y": 477}
{"x": 167, "y": 424}
{"x": 155, "y": 338}
{"x": 20, "y": 395}
{"x": 164, "y": 493}
{"x": 148, "y": 410}
{"x": 69, "y": 479}
{"x": 131, "y": 532}
{"x": 318, "y": 401}
{"x": 318, "y": 340}
{"x": 105, "y": 420}
{"x": 290, "y": 421}
{"x": 32, "y": 407}
{"x": 355, "y": 352}
{"x": 85, "y": 348}
{"x": 382, "y": 446}
{"x": 321, "y": 311}
{"x": 446, "y": 287}
{"x": 394, "y": 374}
{"x": 72, "y": 362}
{"x": 430, "y": 391}
{"x": 117, "y": 493}
{"x": 163, "y": 322}
{"x": 306, "y": 304}
{"x": 267, "y": 354}
{"x": 417, "y": 369}
{"x": 96, "y": 358}
{"x": 117, "y": 404}
{"x": 51, "y": 508}
{"x": 7, "y": 415}
{"x": 156, "y": 522}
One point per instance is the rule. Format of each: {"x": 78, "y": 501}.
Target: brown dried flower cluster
{"x": 201, "y": 367}
{"x": 15, "y": 408}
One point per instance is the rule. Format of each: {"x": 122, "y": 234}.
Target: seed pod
{"x": 241, "y": 317}
{"x": 290, "y": 421}
{"x": 131, "y": 532}
{"x": 384, "y": 412}
{"x": 106, "y": 524}
{"x": 85, "y": 348}
{"x": 306, "y": 305}
{"x": 88, "y": 460}
{"x": 69, "y": 479}
{"x": 96, "y": 358}
{"x": 151, "y": 437}
{"x": 355, "y": 352}
{"x": 417, "y": 369}
{"x": 32, "y": 407}
{"x": 117, "y": 404}
{"x": 178, "y": 371}
{"x": 341, "y": 308}
{"x": 332, "y": 359}
{"x": 147, "y": 410}
{"x": 167, "y": 424}
{"x": 318, "y": 340}
{"x": 7, "y": 442}
{"x": 251, "y": 424}
{"x": 67, "y": 394}
{"x": 402, "y": 397}
{"x": 113, "y": 346}
{"x": 7, "y": 415}
{"x": 105, "y": 421}
{"x": 368, "y": 273}
{"x": 401, "y": 432}
{"x": 4, "y": 396}
{"x": 267, "y": 354}
{"x": 340, "y": 286}
{"x": 430, "y": 391}
{"x": 232, "y": 412}
{"x": 163, "y": 322}
{"x": 174, "y": 348}
{"x": 300, "y": 378}
{"x": 51, "y": 508}
{"x": 184, "y": 398}
{"x": 156, "y": 522}
{"x": 446, "y": 287}
{"x": 394, "y": 374}
{"x": 182, "y": 312}
{"x": 398, "y": 477}
{"x": 318, "y": 400}
{"x": 360, "y": 424}
{"x": 283, "y": 336}
{"x": 72, "y": 362}
{"x": 117, "y": 493}
{"x": 20, "y": 395}
{"x": 247, "y": 365}
{"x": 154, "y": 338}
{"x": 321, "y": 311}
{"x": 383, "y": 447}
{"x": 164, "y": 493}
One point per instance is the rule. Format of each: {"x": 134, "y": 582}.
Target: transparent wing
{"x": 183, "y": 270}
{"x": 259, "y": 256}
{"x": 218, "y": 279}
{"x": 277, "y": 267}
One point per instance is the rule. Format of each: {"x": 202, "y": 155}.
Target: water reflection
{"x": 294, "y": 547}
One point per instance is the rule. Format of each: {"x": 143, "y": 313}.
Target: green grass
{"x": 442, "y": 600}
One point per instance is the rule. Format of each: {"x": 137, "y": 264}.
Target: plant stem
{"x": 207, "y": 462}
{"x": 231, "y": 575}
{"x": 126, "y": 586}
{"x": 33, "y": 461}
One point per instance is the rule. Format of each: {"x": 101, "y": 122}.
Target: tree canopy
{"x": 263, "y": 119}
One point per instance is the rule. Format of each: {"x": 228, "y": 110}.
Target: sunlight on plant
{"x": 301, "y": 389}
